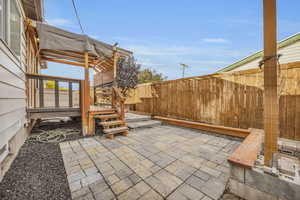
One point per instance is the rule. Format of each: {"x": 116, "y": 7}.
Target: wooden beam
{"x": 83, "y": 108}
{"x": 271, "y": 105}
{"x": 49, "y": 77}
{"x": 64, "y": 62}
{"x": 115, "y": 62}
{"x": 55, "y": 56}
{"x": 53, "y": 114}
{"x": 246, "y": 154}
{"x": 80, "y": 95}
{"x": 86, "y": 98}
{"x": 51, "y": 109}
{"x": 69, "y": 54}
{"x": 95, "y": 99}
{"x": 91, "y": 123}
{"x": 236, "y": 132}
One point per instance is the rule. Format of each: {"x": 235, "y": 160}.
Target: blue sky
{"x": 206, "y": 35}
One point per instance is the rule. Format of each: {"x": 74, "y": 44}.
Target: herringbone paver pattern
{"x": 163, "y": 162}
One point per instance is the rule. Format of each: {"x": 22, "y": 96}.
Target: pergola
{"x": 57, "y": 45}
{"x": 60, "y": 46}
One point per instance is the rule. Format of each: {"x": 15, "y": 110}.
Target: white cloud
{"x": 60, "y": 22}
{"x": 215, "y": 40}
{"x": 183, "y": 51}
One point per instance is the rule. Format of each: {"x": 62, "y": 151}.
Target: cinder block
{"x": 297, "y": 154}
{"x": 237, "y": 173}
{"x": 288, "y": 147}
{"x": 298, "y": 146}
{"x": 280, "y": 145}
{"x": 287, "y": 165}
{"x": 246, "y": 192}
{"x": 272, "y": 185}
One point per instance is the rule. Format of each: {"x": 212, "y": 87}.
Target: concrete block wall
{"x": 254, "y": 184}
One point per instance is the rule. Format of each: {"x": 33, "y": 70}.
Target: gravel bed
{"x": 38, "y": 171}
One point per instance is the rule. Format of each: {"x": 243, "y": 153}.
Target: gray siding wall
{"x": 12, "y": 91}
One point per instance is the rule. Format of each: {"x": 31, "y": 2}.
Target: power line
{"x": 77, "y": 16}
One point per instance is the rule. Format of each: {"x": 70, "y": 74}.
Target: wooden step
{"x": 112, "y": 131}
{"x": 112, "y": 123}
{"x": 104, "y": 117}
{"x": 102, "y": 111}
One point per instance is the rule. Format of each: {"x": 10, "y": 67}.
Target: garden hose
{"x": 53, "y": 136}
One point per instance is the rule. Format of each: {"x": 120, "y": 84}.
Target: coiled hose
{"x": 56, "y": 135}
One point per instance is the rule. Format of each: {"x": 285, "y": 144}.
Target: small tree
{"x": 127, "y": 74}
{"x": 148, "y": 75}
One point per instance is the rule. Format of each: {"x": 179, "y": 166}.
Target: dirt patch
{"x": 38, "y": 171}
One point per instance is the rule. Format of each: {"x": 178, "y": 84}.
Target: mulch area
{"x": 38, "y": 171}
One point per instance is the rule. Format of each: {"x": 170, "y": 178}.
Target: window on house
{"x": 15, "y": 28}
{"x": 3, "y": 14}
{"x": 1, "y": 18}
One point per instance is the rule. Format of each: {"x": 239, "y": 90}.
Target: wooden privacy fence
{"x": 229, "y": 99}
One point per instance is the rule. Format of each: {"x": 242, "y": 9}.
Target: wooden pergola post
{"x": 86, "y": 96}
{"x": 271, "y": 106}
{"x": 115, "y": 62}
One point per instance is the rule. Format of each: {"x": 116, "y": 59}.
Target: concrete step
{"x": 130, "y": 117}
{"x": 144, "y": 124}
{"x": 111, "y": 116}
{"x": 112, "y": 123}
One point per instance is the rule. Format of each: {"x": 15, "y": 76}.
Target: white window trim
{"x": 4, "y": 20}
{"x": 7, "y": 31}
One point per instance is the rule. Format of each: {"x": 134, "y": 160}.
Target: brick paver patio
{"x": 163, "y": 162}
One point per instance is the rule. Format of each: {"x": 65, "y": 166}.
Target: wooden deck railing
{"x": 44, "y": 94}
{"x": 118, "y": 99}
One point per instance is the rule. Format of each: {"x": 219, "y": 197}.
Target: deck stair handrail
{"x": 118, "y": 98}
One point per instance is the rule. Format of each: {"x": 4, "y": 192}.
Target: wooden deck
{"x": 39, "y": 113}
{"x": 48, "y": 112}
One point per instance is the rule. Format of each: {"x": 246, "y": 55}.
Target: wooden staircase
{"x": 113, "y": 120}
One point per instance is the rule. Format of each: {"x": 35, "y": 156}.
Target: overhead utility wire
{"x": 78, "y": 19}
